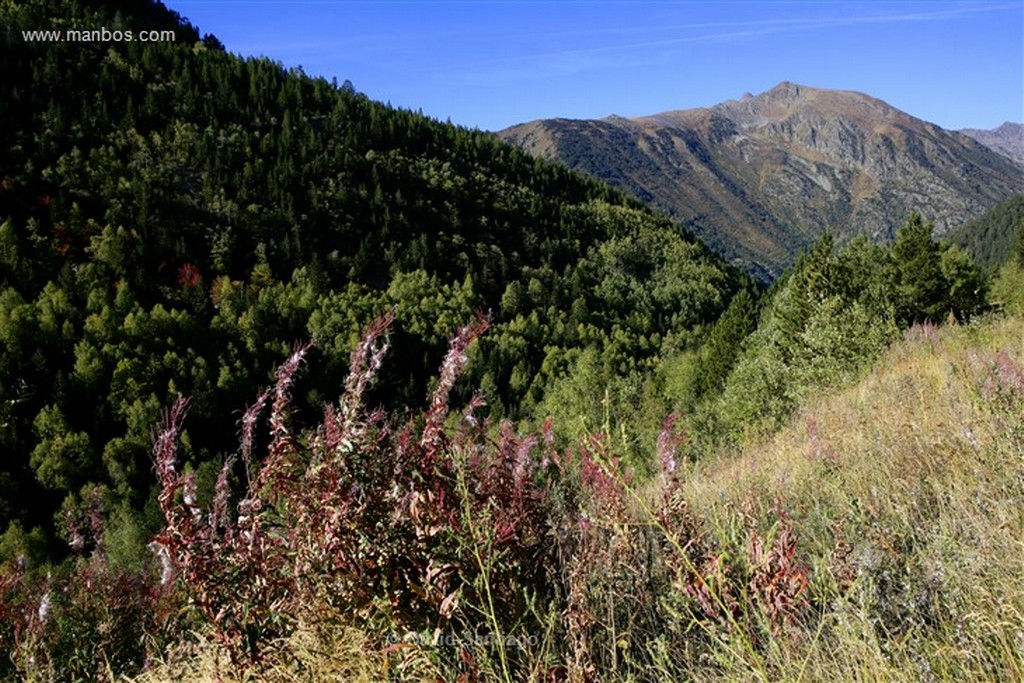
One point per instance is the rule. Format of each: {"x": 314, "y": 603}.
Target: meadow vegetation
{"x": 876, "y": 536}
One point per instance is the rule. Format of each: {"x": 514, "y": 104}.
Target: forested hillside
{"x": 990, "y": 238}
{"x": 174, "y": 218}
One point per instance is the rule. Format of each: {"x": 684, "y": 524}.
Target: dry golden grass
{"x": 311, "y": 654}
{"x": 907, "y": 493}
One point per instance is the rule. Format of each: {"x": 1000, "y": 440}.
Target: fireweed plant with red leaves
{"x": 359, "y": 516}
{"x": 88, "y": 618}
{"x": 509, "y": 558}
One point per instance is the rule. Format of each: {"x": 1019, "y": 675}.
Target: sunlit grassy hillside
{"x": 906, "y": 492}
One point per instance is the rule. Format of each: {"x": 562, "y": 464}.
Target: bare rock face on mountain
{"x": 1007, "y": 139}
{"x": 761, "y": 178}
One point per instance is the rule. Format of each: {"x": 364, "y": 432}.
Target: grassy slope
{"x": 906, "y": 491}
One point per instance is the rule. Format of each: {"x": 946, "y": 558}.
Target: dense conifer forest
{"x": 181, "y": 228}
{"x": 991, "y": 238}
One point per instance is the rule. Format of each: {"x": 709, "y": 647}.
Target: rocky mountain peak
{"x": 761, "y": 177}
{"x": 1007, "y": 139}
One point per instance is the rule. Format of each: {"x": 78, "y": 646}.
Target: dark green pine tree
{"x": 725, "y": 342}
{"x": 920, "y": 287}
{"x": 812, "y": 279}
{"x": 1018, "y": 245}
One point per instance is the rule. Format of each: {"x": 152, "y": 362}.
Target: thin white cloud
{"x": 574, "y": 60}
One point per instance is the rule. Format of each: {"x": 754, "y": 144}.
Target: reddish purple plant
{"x": 601, "y": 475}
{"x": 381, "y": 523}
{"x": 357, "y": 517}
{"x": 1003, "y": 378}
{"x": 231, "y": 570}
{"x": 670, "y": 442}
{"x": 431, "y": 440}
{"x": 85, "y": 619}
{"x": 15, "y": 612}
{"x": 777, "y": 580}
{"x": 999, "y": 381}
{"x": 189, "y": 276}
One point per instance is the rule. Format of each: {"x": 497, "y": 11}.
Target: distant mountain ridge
{"x": 1007, "y": 139}
{"x": 762, "y": 177}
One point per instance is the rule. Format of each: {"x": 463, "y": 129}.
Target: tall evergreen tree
{"x": 919, "y": 285}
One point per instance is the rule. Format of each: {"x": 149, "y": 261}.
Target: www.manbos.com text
{"x": 98, "y": 35}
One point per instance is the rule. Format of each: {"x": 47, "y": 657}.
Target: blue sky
{"x": 491, "y": 64}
